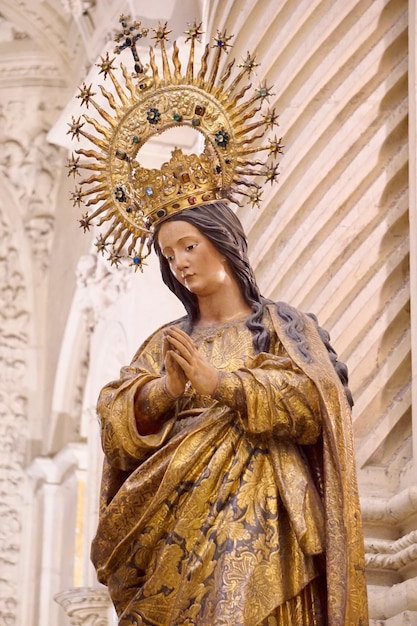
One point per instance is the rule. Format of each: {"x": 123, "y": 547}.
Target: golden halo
{"x": 134, "y": 199}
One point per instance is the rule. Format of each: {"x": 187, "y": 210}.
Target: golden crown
{"x": 134, "y": 199}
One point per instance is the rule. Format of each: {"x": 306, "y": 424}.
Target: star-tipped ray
{"x": 127, "y": 199}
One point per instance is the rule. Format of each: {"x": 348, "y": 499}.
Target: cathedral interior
{"x": 337, "y": 237}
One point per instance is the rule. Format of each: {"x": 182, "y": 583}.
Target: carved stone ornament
{"x": 14, "y": 320}
{"x": 30, "y": 171}
{"x": 391, "y": 555}
{"x": 78, "y": 7}
{"x": 8, "y": 31}
{"x": 100, "y": 286}
{"x": 40, "y": 231}
{"x": 85, "y": 606}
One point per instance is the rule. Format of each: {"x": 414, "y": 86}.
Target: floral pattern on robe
{"x": 219, "y": 517}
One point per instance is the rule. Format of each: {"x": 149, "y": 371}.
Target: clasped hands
{"x": 184, "y": 363}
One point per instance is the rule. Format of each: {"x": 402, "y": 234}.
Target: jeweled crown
{"x": 134, "y": 199}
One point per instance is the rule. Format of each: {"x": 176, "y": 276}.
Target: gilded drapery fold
{"x": 218, "y": 517}
{"x": 345, "y": 562}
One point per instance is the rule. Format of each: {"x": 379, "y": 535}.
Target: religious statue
{"x": 229, "y": 492}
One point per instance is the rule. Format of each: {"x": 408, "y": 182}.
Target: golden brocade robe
{"x": 240, "y": 507}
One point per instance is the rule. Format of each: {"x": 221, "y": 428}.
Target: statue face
{"x": 193, "y": 259}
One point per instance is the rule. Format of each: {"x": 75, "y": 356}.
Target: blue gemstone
{"x": 149, "y": 191}
{"x": 136, "y": 260}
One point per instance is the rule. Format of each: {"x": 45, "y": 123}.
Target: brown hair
{"x": 221, "y": 226}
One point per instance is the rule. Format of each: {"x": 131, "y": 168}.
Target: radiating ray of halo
{"x": 119, "y": 90}
{"x": 177, "y": 63}
{"x": 96, "y": 199}
{"x": 98, "y": 142}
{"x": 244, "y": 162}
{"x": 203, "y": 67}
{"x": 101, "y": 187}
{"x": 246, "y": 140}
{"x": 132, "y": 245}
{"x": 237, "y": 80}
{"x": 252, "y": 149}
{"x": 128, "y": 81}
{"x": 112, "y": 102}
{"x": 243, "y": 112}
{"x": 109, "y": 119}
{"x": 166, "y": 70}
{"x": 120, "y": 232}
{"x": 142, "y": 240}
{"x": 239, "y": 95}
{"x": 214, "y": 69}
{"x": 246, "y": 129}
{"x": 103, "y": 130}
{"x": 103, "y": 208}
{"x": 154, "y": 68}
{"x": 92, "y": 154}
{"x": 226, "y": 75}
{"x": 246, "y": 183}
{"x": 247, "y": 172}
{"x": 123, "y": 240}
{"x": 95, "y": 178}
{"x": 189, "y": 75}
{"x": 106, "y": 218}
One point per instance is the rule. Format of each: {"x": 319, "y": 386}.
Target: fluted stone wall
{"x": 333, "y": 238}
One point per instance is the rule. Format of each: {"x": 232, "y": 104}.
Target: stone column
{"x": 49, "y": 537}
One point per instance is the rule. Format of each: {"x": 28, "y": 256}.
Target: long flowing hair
{"x": 223, "y": 229}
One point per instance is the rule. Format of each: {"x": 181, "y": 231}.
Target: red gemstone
{"x": 192, "y": 200}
